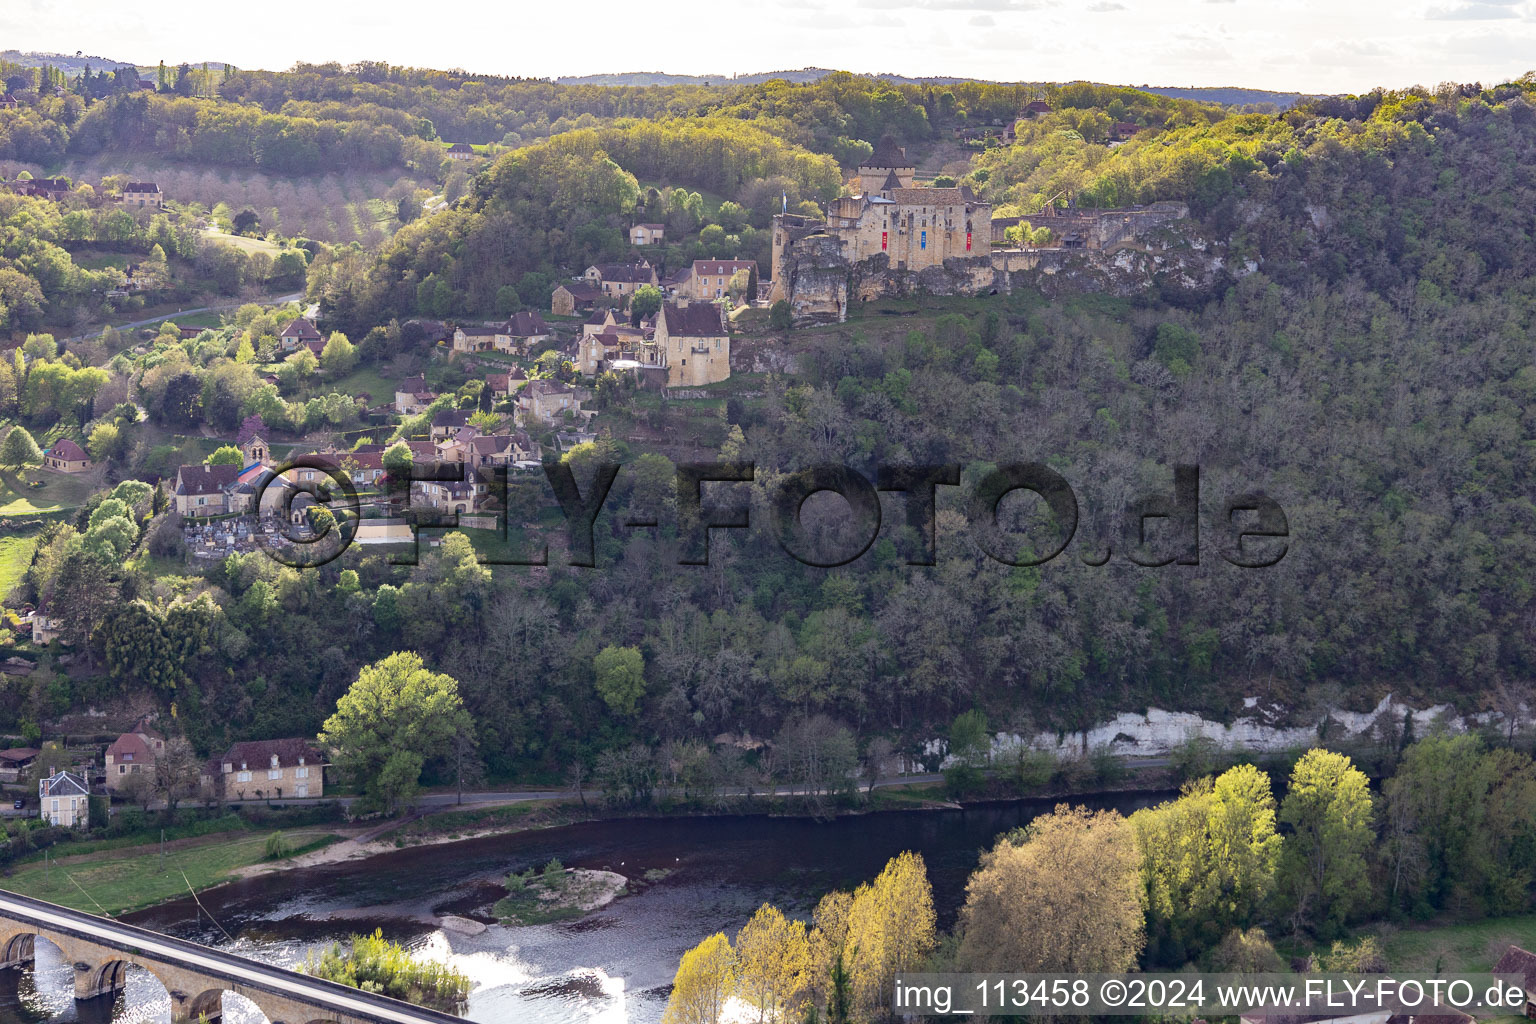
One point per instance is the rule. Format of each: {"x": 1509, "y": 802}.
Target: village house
{"x": 475, "y": 338}
{"x": 618, "y": 281}
{"x": 45, "y": 628}
{"x": 693, "y": 343}
{"x": 527, "y": 329}
{"x": 647, "y": 234}
{"x": 544, "y": 401}
{"x": 206, "y": 490}
{"x": 266, "y": 770}
{"x": 142, "y": 195}
{"x": 461, "y": 151}
{"x": 711, "y": 279}
{"x": 64, "y": 800}
{"x": 1039, "y": 108}
{"x": 450, "y": 495}
{"x": 473, "y": 448}
{"x": 504, "y": 384}
{"x": 570, "y": 298}
{"x": 412, "y": 396}
{"x": 447, "y": 422}
{"x": 1522, "y": 962}
{"x": 42, "y": 188}
{"x": 679, "y": 282}
{"x": 15, "y": 761}
{"x": 133, "y": 753}
{"x": 65, "y": 456}
{"x": 300, "y": 331}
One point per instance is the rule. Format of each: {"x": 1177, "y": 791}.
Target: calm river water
{"x": 612, "y": 967}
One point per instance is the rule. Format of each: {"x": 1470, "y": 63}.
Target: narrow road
{"x": 277, "y": 300}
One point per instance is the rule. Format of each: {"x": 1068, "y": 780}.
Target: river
{"x": 706, "y": 874}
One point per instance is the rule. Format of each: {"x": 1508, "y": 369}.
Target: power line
{"x": 204, "y": 909}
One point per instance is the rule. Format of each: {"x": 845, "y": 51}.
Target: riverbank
{"x": 115, "y": 881}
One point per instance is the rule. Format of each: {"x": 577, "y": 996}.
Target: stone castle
{"x": 893, "y": 238}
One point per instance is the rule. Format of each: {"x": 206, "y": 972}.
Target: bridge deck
{"x": 218, "y": 965}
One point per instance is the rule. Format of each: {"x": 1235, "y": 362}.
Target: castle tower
{"x": 887, "y": 160}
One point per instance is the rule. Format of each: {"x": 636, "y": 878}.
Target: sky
{"x": 1287, "y": 45}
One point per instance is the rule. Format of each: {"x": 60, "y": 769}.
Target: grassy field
{"x": 242, "y": 242}
{"x": 15, "y": 556}
{"x": 58, "y": 490}
{"x": 365, "y": 378}
{"x": 115, "y": 881}
{"x": 1457, "y": 948}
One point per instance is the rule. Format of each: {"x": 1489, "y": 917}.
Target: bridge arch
{"x": 108, "y": 978}
{"x": 17, "y": 948}
{"x": 207, "y": 1005}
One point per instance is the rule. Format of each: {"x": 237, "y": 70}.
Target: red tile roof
{"x": 130, "y": 746}
{"x": 66, "y": 449}
{"x": 302, "y": 329}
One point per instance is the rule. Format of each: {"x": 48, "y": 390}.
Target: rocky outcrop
{"x": 820, "y": 283}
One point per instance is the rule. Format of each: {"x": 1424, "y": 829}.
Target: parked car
{"x": 20, "y": 803}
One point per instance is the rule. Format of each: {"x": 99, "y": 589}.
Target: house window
{"x": 274, "y": 773}
{"x": 122, "y": 769}
{"x": 301, "y": 772}
{"x": 55, "y": 805}
{"x": 242, "y": 776}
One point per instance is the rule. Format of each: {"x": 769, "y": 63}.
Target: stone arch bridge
{"x": 196, "y": 976}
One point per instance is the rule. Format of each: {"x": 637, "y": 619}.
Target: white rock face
{"x": 1159, "y": 732}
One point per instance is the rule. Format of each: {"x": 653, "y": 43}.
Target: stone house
{"x": 265, "y": 770}
{"x": 504, "y": 384}
{"x": 544, "y": 401}
{"x": 133, "y": 753}
{"x": 618, "y": 281}
{"x": 647, "y": 234}
{"x": 711, "y": 279}
{"x": 65, "y": 456}
{"x": 448, "y": 422}
{"x": 569, "y": 298}
{"x": 64, "y": 799}
{"x": 206, "y": 490}
{"x": 300, "y": 331}
{"x": 461, "y": 151}
{"x": 412, "y": 396}
{"x": 475, "y": 338}
{"x": 142, "y": 195}
{"x": 693, "y": 343}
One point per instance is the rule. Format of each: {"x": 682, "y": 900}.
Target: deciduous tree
{"x": 1328, "y": 809}
{"x": 705, "y": 979}
{"x": 397, "y": 716}
{"x": 1063, "y": 894}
